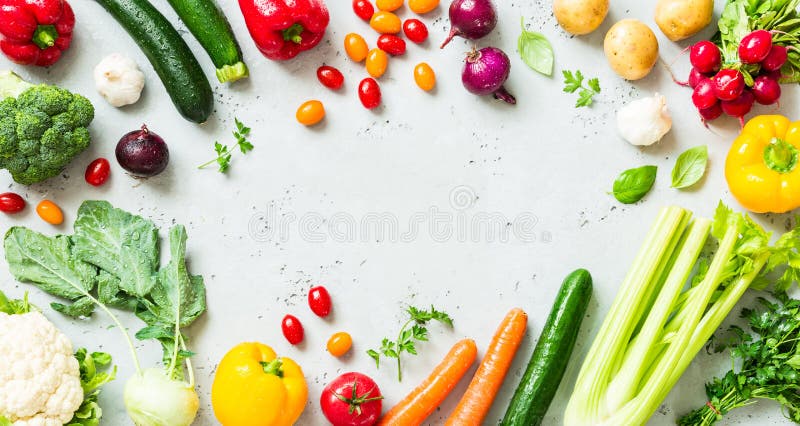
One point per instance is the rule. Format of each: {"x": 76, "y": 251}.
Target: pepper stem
{"x": 45, "y": 36}
{"x": 780, "y": 156}
{"x": 293, "y": 33}
{"x": 274, "y": 367}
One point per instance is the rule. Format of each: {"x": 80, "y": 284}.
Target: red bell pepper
{"x": 35, "y": 32}
{"x": 284, "y": 28}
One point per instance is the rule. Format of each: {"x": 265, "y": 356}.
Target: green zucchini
{"x": 171, "y": 58}
{"x": 210, "y": 27}
{"x": 551, "y": 355}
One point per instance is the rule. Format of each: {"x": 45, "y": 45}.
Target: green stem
{"x": 780, "y": 156}
{"x": 188, "y": 362}
{"x": 397, "y": 348}
{"x": 45, "y": 36}
{"x": 293, "y": 33}
{"x": 274, "y": 367}
{"x": 121, "y": 329}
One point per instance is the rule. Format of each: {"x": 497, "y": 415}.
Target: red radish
{"x": 775, "y": 59}
{"x": 695, "y": 76}
{"x": 740, "y": 106}
{"x": 728, "y": 84}
{"x": 292, "y": 329}
{"x": 319, "y": 300}
{"x": 775, "y": 75}
{"x": 705, "y": 56}
{"x": 11, "y": 203}
{"x": 703, "y": 96}
{"x": 485, "y": 71}
{"x": 766, "y": 90}
{"x": 711, "y": 113}
{"x": 471, "y": 19}
{"x": 755, "y": 46}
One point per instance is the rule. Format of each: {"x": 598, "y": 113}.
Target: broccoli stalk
{"x": 42, "y": 128}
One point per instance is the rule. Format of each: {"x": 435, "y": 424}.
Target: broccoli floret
{"x": 42, "y": 128}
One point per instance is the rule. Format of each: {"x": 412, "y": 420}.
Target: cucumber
{"x": 171, "y": 58}
{"x": 550, "y": 358}
{"x": 210, "y": 27}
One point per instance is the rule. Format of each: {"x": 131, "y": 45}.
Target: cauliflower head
{"x": 40, "y": 381}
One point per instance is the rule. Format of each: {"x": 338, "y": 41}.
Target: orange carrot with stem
{"x": 480, "y": 394}
{"x": 423, "y": 400}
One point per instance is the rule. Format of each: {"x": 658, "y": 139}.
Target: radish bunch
{"x": 732, "y": 88}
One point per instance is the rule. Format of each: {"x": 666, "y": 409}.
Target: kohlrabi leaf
{"x": 121, "y": 243}
{"x": 82, "y": 307}
{"x": 110, "y": 294}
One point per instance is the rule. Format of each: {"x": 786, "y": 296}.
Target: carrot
{"x": 480, "y": 394}
{"x": 423, "y": 400}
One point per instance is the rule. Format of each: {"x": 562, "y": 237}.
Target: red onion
{"x": 471, "y": 19}
{"x": 485, "y": 71}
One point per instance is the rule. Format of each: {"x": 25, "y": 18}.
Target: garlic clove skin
{"x": 119, "y": 80}
{"x": 644, "y": 121}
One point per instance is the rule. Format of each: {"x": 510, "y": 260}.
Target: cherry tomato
{"x": 385, "y": 22}
{"x": 339, "y": 344}
{"x": 369, "y": 92}
{"x": 415, "y": 30}
{"x": 310, "y": 112}
{"x": 356, "y": 47}
{"x": 377, "y": 61}
{"x": 389, "y": 5}
{"x": 330, "y": 77}
{"x": 292, "y": 329}
{"x": 422, "y": 6}
{"x": 392, "y": 44}
{"x": 319, "y": 300}
{"x": 50, "y": 212}
{"x": 363, "y": 9}
{"x": 11, "y": 203}
{"x": 424, "y": 76}
{"x": 97, "y": 172}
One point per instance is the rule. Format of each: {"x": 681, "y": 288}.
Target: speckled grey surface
{"x": 535, "y": 174}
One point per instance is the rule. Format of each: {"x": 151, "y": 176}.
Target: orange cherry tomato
{"x": 50, "y": 212}
{"x": 356, "y": 47}
{"x": 424, "y": 76}
{"x": 310, "y": 112}
{"x": 422, "y": 6}
{"x": 339, "y": 344}
{"x": 385, "y": 22}
{"x": 377, "y": 60}
{"x": 389, "y": 5}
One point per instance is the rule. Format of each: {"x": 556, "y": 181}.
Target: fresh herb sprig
{"x": 414, "y": 330}
{"x": 768, "y": 359}
{"x": 225, "y": 152}
{"x": 574, "y": 81}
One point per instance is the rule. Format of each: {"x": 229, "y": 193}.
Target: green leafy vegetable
{"x": 574, "y": 82}
{"x": 633, "y": 184}
{"x": 225, "y": 152}
{"x": 93, "y": 375}
{"x": 409, "y": 336}
{"x": 690, "y": 167}
{"x": 535, "y": 50}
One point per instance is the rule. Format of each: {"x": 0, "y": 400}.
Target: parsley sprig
{"x": 225, "y": 152}
{"x": 768, "y": 360}
{"x": 409, "y": 336}
{"x": 574, "y": 81}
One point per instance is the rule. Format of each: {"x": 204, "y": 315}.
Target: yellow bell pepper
{"x": 762, "y": 165}
{"x": 253, "y": 387}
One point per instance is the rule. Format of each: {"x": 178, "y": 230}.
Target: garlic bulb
{"x": 644, "y": 121}
{"x": 119, "y": 80}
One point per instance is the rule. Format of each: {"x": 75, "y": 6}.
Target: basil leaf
{"x": 632, "y": 184}
{"x": 690, "y": 167}
{"x": 535, "y": 50}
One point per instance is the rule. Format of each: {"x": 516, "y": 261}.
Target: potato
{"x": 631, "y": 49}
{"x": 680, "y": 19}
{"x": 580, "y": 16}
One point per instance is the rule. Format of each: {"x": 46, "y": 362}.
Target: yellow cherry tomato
{"x": 377, "y": 60}
{"x": 389, "y": 5}
{"x": 422, "y": 6}
{"x": 424, "y": 76}
{"x": 339, "y": 344}
{"x": 356, "y": 47}
{"x": 385, "y": 22}
{"x": 310, "y": 112}
{"x": 50, "y": 212}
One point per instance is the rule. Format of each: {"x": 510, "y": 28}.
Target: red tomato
{"x": 11, "y": 203}
{"x": 392, "y": 44}
{"x": 292, "y": 329}
{"x": 364, "y": 9}
{"x": 330, "y": 77}
{"x": 369, "y": 93}
{"x": 352, "y": 399}
{"x": 319, "y": 300}
{"x": 415, "y": 30}
{"x": 97, "y": 172}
